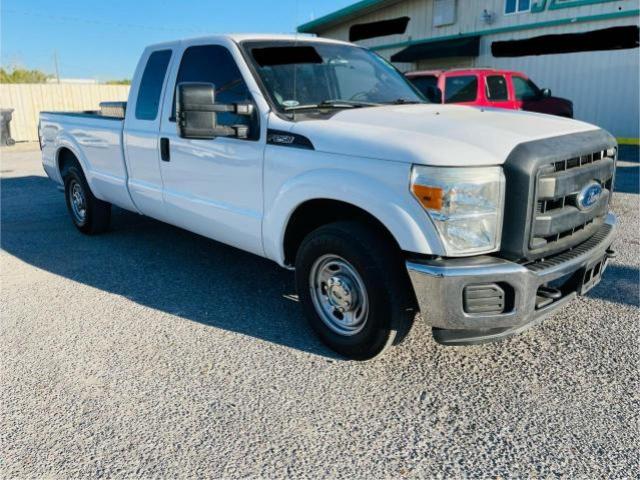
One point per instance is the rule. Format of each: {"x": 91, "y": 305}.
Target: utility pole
{"x": 55, "y": 63}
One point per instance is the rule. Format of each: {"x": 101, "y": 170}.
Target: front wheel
{"x": 354, "y": 289}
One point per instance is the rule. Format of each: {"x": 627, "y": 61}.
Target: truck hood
{"x": 432, "y": 134}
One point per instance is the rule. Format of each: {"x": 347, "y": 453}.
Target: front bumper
{"x": 530, "y": 291}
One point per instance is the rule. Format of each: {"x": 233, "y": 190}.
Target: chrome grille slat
{"x": 556, "y": 217}
{"x": 529, "y": 161}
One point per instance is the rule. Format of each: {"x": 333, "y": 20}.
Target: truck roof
{"x": 257, "y": 37}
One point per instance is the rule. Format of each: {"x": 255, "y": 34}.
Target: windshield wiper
{"x": 332, "y": 104}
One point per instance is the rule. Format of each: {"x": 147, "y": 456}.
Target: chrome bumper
{"x": 439, "y": 286}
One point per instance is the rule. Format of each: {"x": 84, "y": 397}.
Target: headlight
{"x": 465, "y": 204}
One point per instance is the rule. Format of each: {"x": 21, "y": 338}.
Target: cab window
{"x": 525, "y": 89}
{"x": 150, "y": 89}
{"x": 215, "y": 64}
{"x": 462, "y": 88}
{"x": 496, "y": 86}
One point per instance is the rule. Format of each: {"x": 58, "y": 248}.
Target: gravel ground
{"x": 152, "y": 352}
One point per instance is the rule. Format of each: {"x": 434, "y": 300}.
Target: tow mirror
{"x": 546, "y": 93}
{"x": 197, "y": 113}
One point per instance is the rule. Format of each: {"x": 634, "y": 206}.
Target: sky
{"x": 103, "y": 39}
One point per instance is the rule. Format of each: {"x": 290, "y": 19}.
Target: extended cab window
{"x": 497, "y": 88}
{"x": 525, "y": 89}
{"x": 214, "y": 64}
{"x": 150, "y": 89}
{"x": 463, "y": 88}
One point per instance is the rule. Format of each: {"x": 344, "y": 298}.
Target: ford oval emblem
{"x": 589, "y": 195}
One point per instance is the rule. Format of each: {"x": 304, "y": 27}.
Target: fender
{"x": 104, "y": 186}
{"x": 66, "y": 141}
{"x": 402, "y": 215}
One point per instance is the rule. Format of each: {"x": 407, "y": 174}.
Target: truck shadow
{"x": 619, "y": 285}
{"x": 155, "y": 265}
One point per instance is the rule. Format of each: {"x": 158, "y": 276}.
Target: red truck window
{"x": 428, "y": 86}
{"x": 462, "y": 88}
{"x": 525, "y": 89}
{"x": 497, "y": 88}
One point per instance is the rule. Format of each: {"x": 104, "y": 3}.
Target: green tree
{"x": 124, "y": 81}
{"x": 22, "y": 75}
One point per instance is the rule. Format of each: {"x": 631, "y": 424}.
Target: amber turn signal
{"x": 429, "y": 197}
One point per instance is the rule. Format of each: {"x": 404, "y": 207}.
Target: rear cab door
{"x": 142, "y": 125}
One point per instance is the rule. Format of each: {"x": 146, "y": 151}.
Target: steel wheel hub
{"x": 77, "y": 200}
{"x": 339, "y": 295}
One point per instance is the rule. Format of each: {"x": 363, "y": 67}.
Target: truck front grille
{"x": 546, "y": 180}
{"x": 558, "y": 217}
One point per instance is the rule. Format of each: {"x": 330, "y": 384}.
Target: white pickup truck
{"x": 319, "y": 155}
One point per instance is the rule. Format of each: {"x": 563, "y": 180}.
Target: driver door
{"x": 213, "y": 187}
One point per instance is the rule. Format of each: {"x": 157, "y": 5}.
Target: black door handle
{"x": 164, "y": 149}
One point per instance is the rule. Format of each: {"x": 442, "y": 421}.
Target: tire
{"x": 89, "y": 214}
{"x": 333, "y": 264}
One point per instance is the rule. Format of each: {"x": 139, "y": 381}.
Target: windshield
{"x": 316, "y": 75}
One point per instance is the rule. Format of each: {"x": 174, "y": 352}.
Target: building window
{"x": 444, "y": 12}
{"x": 516, "y": 6}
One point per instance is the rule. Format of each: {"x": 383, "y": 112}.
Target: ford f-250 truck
{"x": 321, "y": 156}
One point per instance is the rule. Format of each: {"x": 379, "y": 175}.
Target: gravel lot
{"x": 152, "y": 352}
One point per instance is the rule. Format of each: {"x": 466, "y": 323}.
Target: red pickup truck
{"x": 489, "y": 88}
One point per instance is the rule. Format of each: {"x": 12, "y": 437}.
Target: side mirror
{"x": 197, "y": 113}
{"x": 546, "y": 93}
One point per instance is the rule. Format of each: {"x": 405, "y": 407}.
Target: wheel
{"x": 89, "y": 214}
{"x": 354, "y": 289}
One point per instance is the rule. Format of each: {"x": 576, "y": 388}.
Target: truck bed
{"x": 96, "y": 141}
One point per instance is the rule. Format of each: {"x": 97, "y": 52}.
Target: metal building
{"x": 577, "y": 48}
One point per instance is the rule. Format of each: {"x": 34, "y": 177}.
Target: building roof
{"x": 355, "y": 10}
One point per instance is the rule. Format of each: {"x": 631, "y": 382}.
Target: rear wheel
{"x": 89, "y": 214}
{"x": 353, "y": 288}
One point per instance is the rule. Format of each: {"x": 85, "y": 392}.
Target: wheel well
{"x": 313, "y": 214}
{"x": 65, "y": 158}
